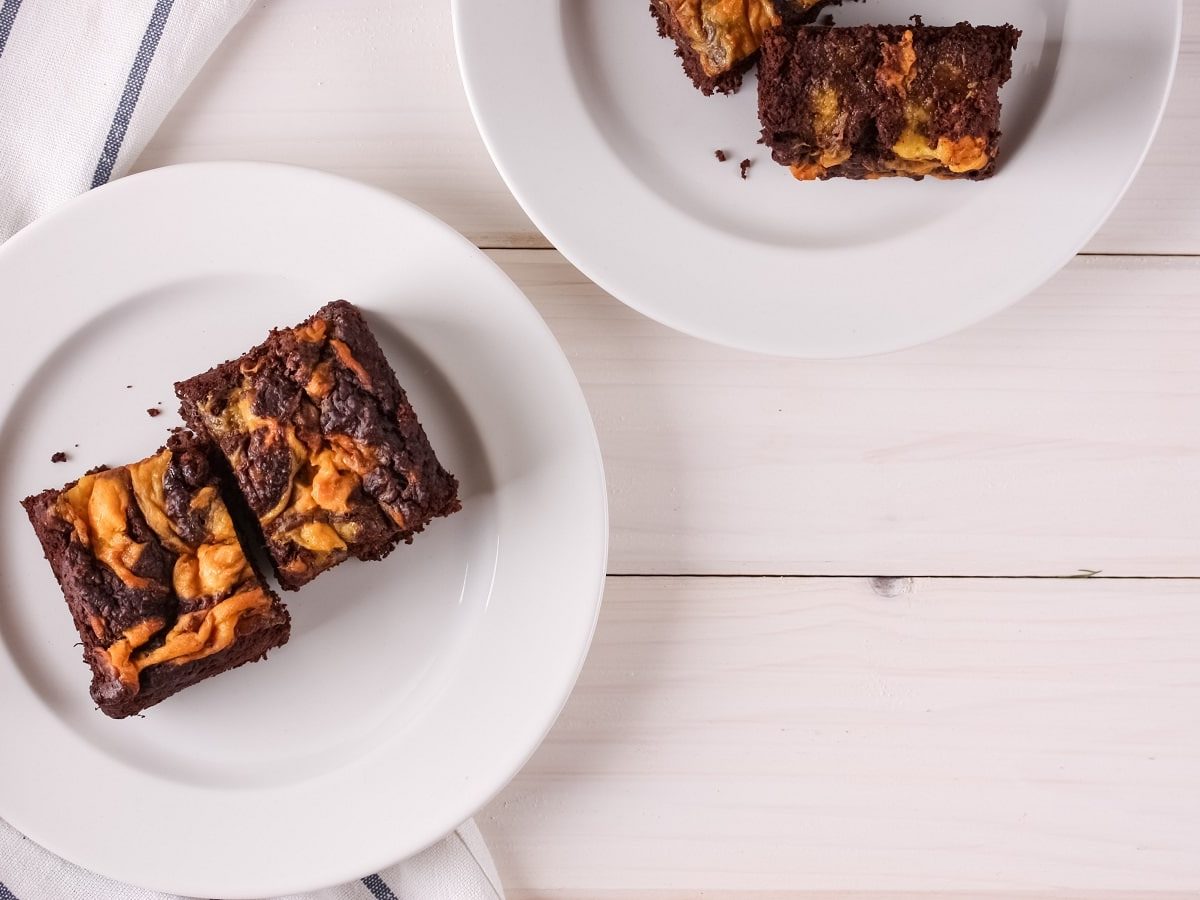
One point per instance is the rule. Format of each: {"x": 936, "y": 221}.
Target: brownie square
{"x": 323, "y": 444}
{"x": 160, "y": 588}
{"x": 875, "y": 101}
{"x": 718, "y": 40}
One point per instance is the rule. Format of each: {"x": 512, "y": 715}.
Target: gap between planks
{"x": 846, "y": 895}
{"x": 931, "y": 576}
{"x": 545, "y": 244}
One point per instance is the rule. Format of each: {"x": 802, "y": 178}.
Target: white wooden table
{"x": 845, "y": 647}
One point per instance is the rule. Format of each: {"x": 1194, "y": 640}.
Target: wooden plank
{"x": 1062, "y": 435}
{"x": 370, "y": 89}
{"x": 747, "y": 737}
{"x": 364, "y": 88}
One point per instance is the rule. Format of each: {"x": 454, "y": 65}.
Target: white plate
{"x": 609, "y": 149}
{"x": 412, "y": 689}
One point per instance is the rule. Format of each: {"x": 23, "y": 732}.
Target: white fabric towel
{"x": 83, "y": 86}
{"x": 457, "y": 868}
{"x": 85, "y": 83}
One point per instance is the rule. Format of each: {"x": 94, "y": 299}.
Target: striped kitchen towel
{"x": 83, "y": 86}
{"x": 457, "y": 868}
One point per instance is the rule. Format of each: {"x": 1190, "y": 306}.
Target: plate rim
{"x": 594, "y": 269}
{"x": 597, "y": 579}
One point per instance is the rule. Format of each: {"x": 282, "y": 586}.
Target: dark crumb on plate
{"x": 153, "y": 411}
{"x": 744, "y": 167}
{"x": 720, "y": 155}
{"x": 128, "y": 386}
{"x": 916, "y": 20}
{"x": 60, "y": 456}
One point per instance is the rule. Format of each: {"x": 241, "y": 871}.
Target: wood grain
{"x": 370, "y": 89}
{"x": 1062, "y": 435}
{"x": 747, "y": 737}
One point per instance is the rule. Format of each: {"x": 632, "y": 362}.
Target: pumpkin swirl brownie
{"x": 718, "y": 40}
{"x": 161, "y": 591}
{"x": 322, "y": 443}
{"x": 874, "y": 101}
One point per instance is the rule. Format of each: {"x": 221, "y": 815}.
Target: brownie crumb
{"x": 128, "y": 386}
{"x": 153, "y": 411}
{"x": 60, "y": 456}
{"x": 720, "y": 155}
{"x": 916, "y": 20}
{"x": 744, "y": 167}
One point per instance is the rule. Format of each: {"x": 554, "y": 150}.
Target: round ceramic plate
{"x": 412, "y": 689}
{"x": 610, "y": 150}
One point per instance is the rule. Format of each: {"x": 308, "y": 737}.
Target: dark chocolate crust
{"x": 320, "y": 387}
{"x": 104, "y": 607}
{"x": 872, "y": 101}
{"x": 730, "y": 79}
{"x": 160, "y": 682}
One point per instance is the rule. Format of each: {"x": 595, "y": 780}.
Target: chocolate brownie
{"x": 873, "y": 101}
{"x": 161, "y": 591}
{"x": 718, "y": 40}
{"x": 323, "y": 444}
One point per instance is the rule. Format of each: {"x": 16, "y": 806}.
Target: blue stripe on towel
{"x": 5, "y": 893}
{"x": 133, "y": 89}
{"x": 375, "y": 885}
{"x": 8, "y": 12}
